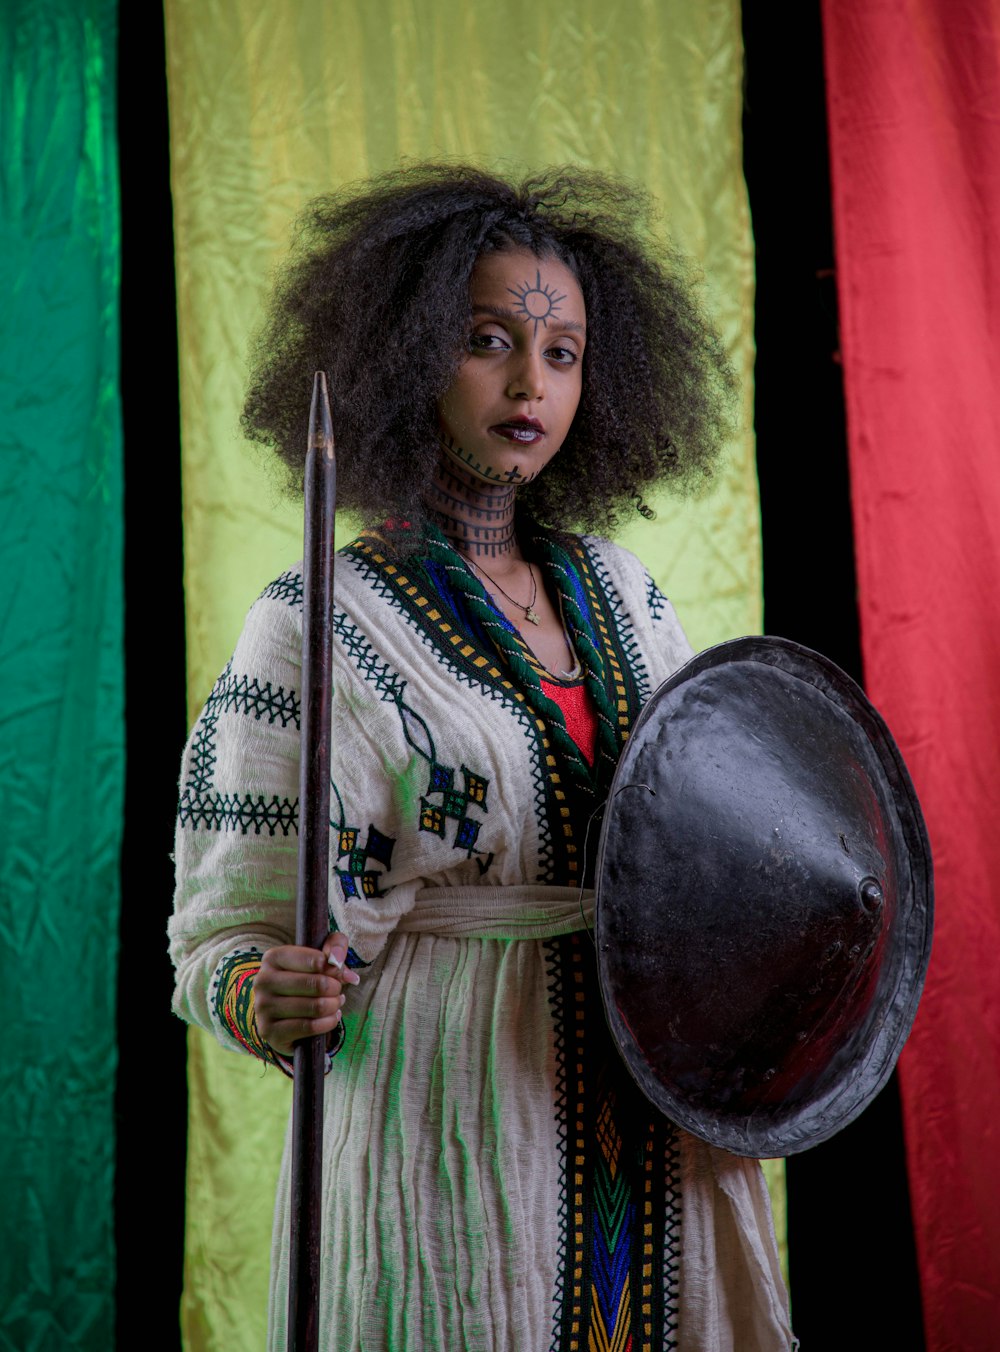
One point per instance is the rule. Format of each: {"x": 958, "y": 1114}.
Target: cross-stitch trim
{"x": 624, "y": 629}
{"x": 673, "y": 1221}
{"x": 238, "y": 811}
{"x": 246, "y": 695}
{"x": 557, "y": 1002}
{"x": 655, "y": 600}
{"x": 287, "y": 588}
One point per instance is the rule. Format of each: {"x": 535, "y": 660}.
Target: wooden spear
{"x": 312, "y": 912}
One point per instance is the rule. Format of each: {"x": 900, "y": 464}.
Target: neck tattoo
{"x": 477, "y": 517}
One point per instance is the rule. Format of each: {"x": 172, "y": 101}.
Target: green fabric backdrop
{"x": 270, "y": 105}
{"x": 61, "y": 670}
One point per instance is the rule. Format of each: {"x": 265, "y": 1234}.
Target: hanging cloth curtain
{"x": 61, "y": 669}
{"x": 914, "y": 103}
{"x": 317, "y": 95}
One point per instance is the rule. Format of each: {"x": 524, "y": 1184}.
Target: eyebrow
{"x": 512, "y": 317}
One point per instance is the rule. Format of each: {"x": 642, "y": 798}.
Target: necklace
{"x": 529, "y": 613}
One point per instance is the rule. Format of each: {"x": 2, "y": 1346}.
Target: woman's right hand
{"x": 298, "y": 992}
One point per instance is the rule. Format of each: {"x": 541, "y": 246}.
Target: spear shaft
{"x": 312, "y": 909}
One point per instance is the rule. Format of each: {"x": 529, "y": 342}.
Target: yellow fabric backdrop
{"x": 272, "y": 104}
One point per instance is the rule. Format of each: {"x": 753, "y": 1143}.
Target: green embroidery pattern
{"x": 239, "y": 811}
{"x": 453, "y": 805}
{"x": 625, "y": 631}
{"x": 619, "y": 1212}
{"x": 443, "y": 802}
{"x": 287, "y": 588}
{"x": 568, "y": 791}
{"x": 655, "y": 599}
{"x": 357, "y": 877}
{"x": 201, "y": 807}
{"x": 431, "y": 617}
{"x": 233, "y": 1005}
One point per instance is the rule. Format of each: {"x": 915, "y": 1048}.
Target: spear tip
{"x": 320, "y": 419}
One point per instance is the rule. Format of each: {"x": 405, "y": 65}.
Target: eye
{"x": 487, "y": 342}
{"x": 563, "y": 356}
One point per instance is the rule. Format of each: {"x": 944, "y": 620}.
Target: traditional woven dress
{"x": 492, "y": 1178}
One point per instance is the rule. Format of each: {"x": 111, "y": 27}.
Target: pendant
{"x": 530, "y": 616}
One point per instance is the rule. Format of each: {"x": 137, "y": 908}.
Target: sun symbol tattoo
{"x": 537, "y": 302}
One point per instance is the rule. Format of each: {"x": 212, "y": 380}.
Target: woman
{"x": 503, "y": 362}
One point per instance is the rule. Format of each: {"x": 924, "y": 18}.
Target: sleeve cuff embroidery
{"x": 234, "y": 1009}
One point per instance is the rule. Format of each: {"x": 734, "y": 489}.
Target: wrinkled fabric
{"x": 457, "y": 1108}
{"x": 271, "y": 105}
{"x": 61, "y": 669}
{"x": 914, "y": 104}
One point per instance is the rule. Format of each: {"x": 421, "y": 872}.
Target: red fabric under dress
{"x": 580, "y": 714}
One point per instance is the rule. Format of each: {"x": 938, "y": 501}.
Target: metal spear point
{"x": 312, "y": 912}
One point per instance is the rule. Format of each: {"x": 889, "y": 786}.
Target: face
{"x": 514, "y": 397}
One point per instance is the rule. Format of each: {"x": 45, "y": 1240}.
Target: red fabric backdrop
{"x": 914, "y": 104}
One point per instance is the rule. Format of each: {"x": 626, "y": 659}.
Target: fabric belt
{"x": 522, "y": 912}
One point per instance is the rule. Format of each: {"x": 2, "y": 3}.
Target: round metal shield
{"x": 764, "y": 899}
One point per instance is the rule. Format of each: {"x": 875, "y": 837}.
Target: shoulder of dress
{"x": 620, "y": 562}
{"x": 600, "y": 544}
{"x": 286, "y": 590}
{"x": 273, "y": 624}
{"x": 274, "y": 621}
{"x": 629, "y": 576}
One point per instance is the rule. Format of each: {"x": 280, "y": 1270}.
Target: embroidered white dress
{"x": 492, "y": 1179}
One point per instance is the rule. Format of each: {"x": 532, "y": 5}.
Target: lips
{"x": 523, "y": 431}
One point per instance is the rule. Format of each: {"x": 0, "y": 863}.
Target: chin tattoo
{"x": 512, "y": 476}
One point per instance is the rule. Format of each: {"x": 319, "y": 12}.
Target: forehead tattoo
{"x": 537, "y": 302}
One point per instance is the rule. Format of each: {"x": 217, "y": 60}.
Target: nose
{"x": 527, "y": 379}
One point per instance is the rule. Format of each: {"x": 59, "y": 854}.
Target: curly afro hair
{"x": 376, "y": 293}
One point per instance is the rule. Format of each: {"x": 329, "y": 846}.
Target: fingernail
{"x": 336, "y": 957}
